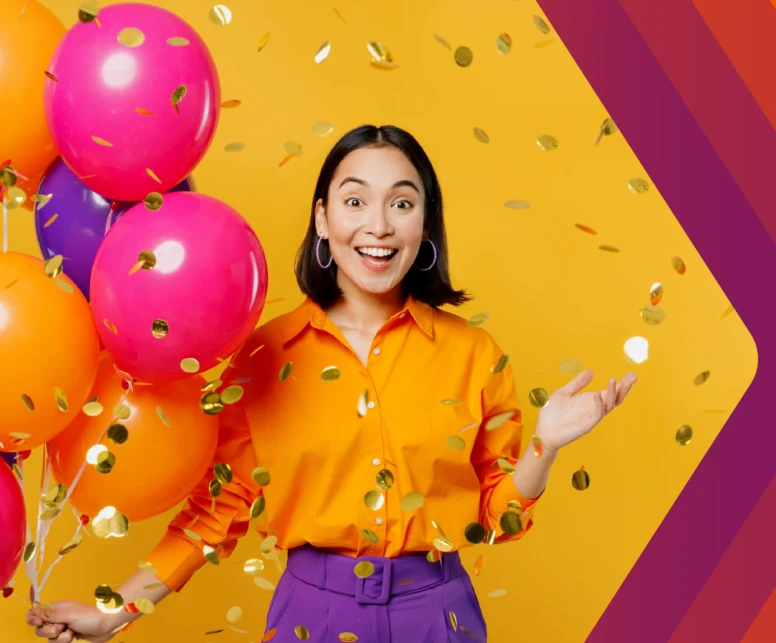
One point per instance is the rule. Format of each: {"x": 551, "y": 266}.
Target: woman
{"x": 375, "y": 428}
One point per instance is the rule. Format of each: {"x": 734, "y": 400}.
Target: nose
{"x": 378, "y": 221}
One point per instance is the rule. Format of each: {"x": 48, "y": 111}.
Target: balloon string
{"x": 44, "y": 484}
{"x": 5, "y": 227}
{"x": 29, "y": 565}
{"x": 48, "y": 571}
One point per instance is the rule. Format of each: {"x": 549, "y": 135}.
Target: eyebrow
{"x": 398, "y": 184}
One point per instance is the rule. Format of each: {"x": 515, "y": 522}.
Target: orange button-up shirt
{"x": 344, "y": 452}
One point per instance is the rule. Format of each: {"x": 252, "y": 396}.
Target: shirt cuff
{"x": 504, "y": 493}
{"x": 176, "y": 560}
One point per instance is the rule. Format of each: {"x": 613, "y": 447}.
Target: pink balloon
{"x": 208, "y": 285}
{"x": 111, "y": 110}
{"x": 13, "y": 523}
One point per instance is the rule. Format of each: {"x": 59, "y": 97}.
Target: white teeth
{"x": 376, "y": 252}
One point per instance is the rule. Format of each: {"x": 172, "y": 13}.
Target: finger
{"x": 34, "y": 619}
{"x": 611, "y": 394}
{"x": 49, "y": 631}
{"x": 625, "y": 386}
{"x": 578, "y": 383}
{"x": 67, "y": 636}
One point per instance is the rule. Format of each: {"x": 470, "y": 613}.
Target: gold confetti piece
{"x": 547, "y": 143}
{"x": 378, "y": 52}
{"x": 154, "y": 201}
{"x": 292, "y": 147}
{"x": 539, "y": 397}
{"x": 323, "y": 52}
{"x": 362, "y": 405}
{"x": 118, "y": 434}
{"x": 285, "y": 371}
{"x": 92, "y": 409}
{"x": 211, "y": 403}
{"x": 234, "y": 614}
{"x": 330, "y": 374}
{"x": 51, "y": 76}
{"x": 652, "y": 315}
{"x": 728, "y": 310}
{"x": 607, "y": 129}
{"x": 28, "y": 402}
{"x": 455, "y": 442}
{"x": 212, "y": 557}
{"x": 41, "y": 200}
{"x": 481, "y": 136}
{"x": 14, "y": 198}
{"x": 223, "y": 472}
{"x": 364, "y": 569}
{"x": 537, "y": 445}
{"x": 434, "y": 556}
{"x": 268, "y": 544}
{"x": 214, "y": 488}
{"x": 145, "y": 605}
{"x": 701, "y": 378}
{"x": 678, "y": 265}
{"x": 504, "y": 44}
{"x": 232, "y": 394}
{"x": 71, "y": 544}
{"x": 189, "y": 365}
{"x": 50, "y": 513}
{"x": 510, "y": 523}
{"x": 339, "y": 15}
{"x": 131, "y": 37}
{"x": 193, "y": 535}
{"x": 684, "y": 435}
{"x": 29, "y": 552}
{"x": 478, "y": 564}
{"x": 211, "y": 386}
{"x": 463, "y": 56}
{"x": 53, "y": 267}
{"x": 269, "y": 635}
{"x": 323, "y": 128}
{"x": 374, "y": 500}
{"x": 585, "y": 228}
{"x": 178, "y": 94}
{"x": 61, "y": 400}
{"x": 370, "y": 536}
{"x": 541, "y": 25}
{"x": 263, "y": 42}
{"x": 451, "y": 401}
{"x": 347, "y": 637}
{"x": 220, "y": 15}
{"x": 160, "y": 328}
{"x": 261, "y": 476}
{"x": 178, "y": 42}
{"x": 443, "y": 544}
{"x": 570, "y": 366}
{"x": 301, "y": 633}
{"x": 543, "y": 43}
{"x": 20, "y": 436}
{"x": 607, "y": 248}
{"x": 286, "y": 160}
{"x": 656, "y": 293}
{"x": 412, "y": 501}
{"x": 638, "y": 186}
{"x": 51, "y": 220}
{"x": 105, "y": 462}
{"x": 478, "y": 320}
{"x": 580, "y": 480}
{"x": 64, "y": 286}
{"x": 517, "y": 205}
{"x": 88, "y": 12}
{"x": 236, "y": 146}
{"x": 8, "y": 177}
{"x": 454, "y": 621}
{"x": 18, "y": 472}
{"x": 163, "y": 417}
{"x": 253, "y": 566}
{"x": 257, "y": 508}
{"x": 384, "y": 479}
{"x": 386, "y": 66}
{"x": 231, "y": 104}
{"x": 499, "y": 420}
{"x": 102, "y": 141}
{"x": 475, "y": 533}
{"x": 500, "y": 365}
{"x": 443, "y": 42}
{"x": 122, "y": 411}
{"x": 497, "y": 592}
{"x": 150, "y": 173}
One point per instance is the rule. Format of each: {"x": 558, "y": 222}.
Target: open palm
{"x": 569, "y": 414}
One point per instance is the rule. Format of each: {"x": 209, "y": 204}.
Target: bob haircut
{"x": 432, "y": 287}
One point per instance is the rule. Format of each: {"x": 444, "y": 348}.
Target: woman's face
{"x": 374, "y": 220}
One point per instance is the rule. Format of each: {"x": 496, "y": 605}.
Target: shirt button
{"x": 379, "y": 521}
{"x": 376, "y": 462}
{"x": 376, "y": 351}
{"x": 371, "y": 405}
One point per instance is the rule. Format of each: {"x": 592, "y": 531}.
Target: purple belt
{"x": 392, "y": 576}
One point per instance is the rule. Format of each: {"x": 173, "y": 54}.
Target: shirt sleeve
{"x": 499, "y": 396}
{"x": 218, "y": 524}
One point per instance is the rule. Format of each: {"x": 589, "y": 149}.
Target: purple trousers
{"x": 405, "y": 600}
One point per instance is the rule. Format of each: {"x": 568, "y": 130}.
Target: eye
{"x": 407, "y": 204}
{"x": 350, "y": 202}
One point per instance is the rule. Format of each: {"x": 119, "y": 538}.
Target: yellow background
{"x": 553, "y": 295}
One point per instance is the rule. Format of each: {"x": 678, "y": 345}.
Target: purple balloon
{"x": 9, "y": 458}
{"x": 83, "y": 220}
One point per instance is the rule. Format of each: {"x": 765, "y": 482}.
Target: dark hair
{"x": 432, "y": 287}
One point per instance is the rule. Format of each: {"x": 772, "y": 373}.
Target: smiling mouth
{"x": 377, "y": 259}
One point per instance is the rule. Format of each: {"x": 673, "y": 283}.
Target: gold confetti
{"x": 236, "y": 146}
{"x": 330, "y": 374}
{"x": 211, "y": 386}
{"x": 71, "y": 544}
{"x": 64, "y": 286}
{"x": 261, "y": 476}
{"x": 14, "y": 198}
{"x": 118, "y": 434}
{"x": 122, "y": 411}
{"x": 478, "y": 320}
{"x": 500, "y": 365}
{"x": 8, "y": 177}
{"x": 541, "y": 25}
{"x": 378, "y": 52}
{"x": 212, "y": 557}
{"x": 28, "y": 402}
{"x": 285, "y": 371}
{"x": 102, "y": 141}
{"x": 543, "y": 43}
{"x": 454, "y": 621}
{"x": 607, "y": 248}
{"x": 189, "y": 365}
{"x": 411, "y": 501}
{"x": 56, "y": 494}
{"x": 160, "y": 328}
{"x": 110, "y": 326}
{"x": 51, "y": 76}
{"x": 231, "y": 104}
{"x": 234, "y": 614}
{"x": 105, "y": 462}
{"x": 504, "y": 44}
{"x": 652, "y": 315}
{"x": 51, "y": 220}
{"x": 29, "y": 552}
{"x": 347, "y": 637}
{"x": 88, "y": 12}
{"x": 517, "y": 205}
{"x": 684, "y": 435}
{"x": 292, "y": 147}
{"x": 463, "y": 56}
{"x": 638, "y": 186}
{"x": 364, "y": 569}
{"x": 607, "y": 129}
{"x": 92, "y": 409}
{"x": 131, "y": 37}
{"x": 580, "y": 480}
{"x": 363, "y": 404}
{"x": 211, "y": 403}
{"x": 539, "y": 398}
{"x": 585, "y": 228}
{"x": 154, "y": 201}
{"x": 323, "y": 128}
{"x": 475, "y": 533}
{"x": 478, "y": 564}
{"x": 547, "y": 143}
{"x": 701, "y": 378}
{"x": 263, "y": 42}
{"x": 163, "y": 417}
{"x": 232, "y": 394}
{"x": 443, "y": 42}
{"x": 434, "y": 556}
{"x": 214, "y": 488}
{"x": 257, "y": 508}
{"x": 223, "y": 472}
{"x": 384, "y": 479}
{"x": 301, "y": 633}
{"x": 728, "y": 310}
{"x": 193, "y": 535}
{"x": 374, "y": 500}
{"x": 497, "y": 592}
{"x": 41, "y": 199}
{"x": 220, "y": 15}
{"x": 150, "y": 173}
{"x": 178, "y": 42}
{"x": 451, "y": 401}
{"x": 537, "y": 445}
{"x": 253, "y": 566}
{"x": 268, "y": 544}
{"x": 61, "y": 400}
{"x": 455, "y": 442}
{"x": 323, "y": 52}
{"x": 443, "y": 544}
{"x": 656, "y": 293}
{"x": 510, "y": 523}
{"x": 339, "y": 15}
{"x": 499, "y": 420}
{"x": 144, "y": 605}
{"x": 481, "y": 136}
{"x": 370, "y": 536}
{"x": 678, "y": 265}
{"x": 263, "y": 583}
{"x": 53, "y": 267}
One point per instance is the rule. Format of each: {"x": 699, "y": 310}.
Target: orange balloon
{"x": 29, "y": 33}
{"x": 170, "y": 444}
{"x": 48, "y": 352}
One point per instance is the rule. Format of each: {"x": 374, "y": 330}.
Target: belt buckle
{"x": 365, "y": 587}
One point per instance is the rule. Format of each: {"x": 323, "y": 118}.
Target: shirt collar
{"x": 310, "y": 313}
